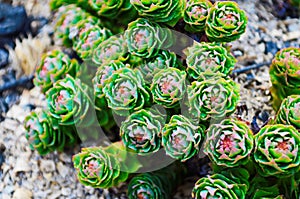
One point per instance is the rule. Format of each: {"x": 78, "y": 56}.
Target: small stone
{"x": 22, "y": 165}
{"x": 66, "y": 191}
{"x": 293, "y": 27}
{"x": 65, "y": 158}
{"x": 62, "y": 169}
{"x": 261, "y": 47}
{"x": 291, "y": 36}
{"x": 47, "y": 166}
{"x": 5, "y": 196}
{"x": 55, "y": 194}
{"x": 22, "y": 193}
{"x": 3, "y": 58}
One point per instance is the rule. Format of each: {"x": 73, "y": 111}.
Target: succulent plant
{"x": 113, "y": 48}
{"x": 277, "y": 150}
{"x": 158, "y": 184}
{"x": 181, "y": 139}
{"x": 164, "y": 59}
{"x": 55, "y": 4}
{"x": 125, "y": 91}
{"x": 195, "y": 15}
{"x": 145, "y": 38}
{"x": 45, "y": 135}
{"x": 289, "y": 111}
{"x": 69, "y": 17}
{"x": 89, "y": 39}
{"x": 225, "y": 22}
{"x": 218, "y": 186}
{"x": 103, "y": 167}
{"x": 229, "y": 143}
{"x": 208, "y": 59}
{"x": 103, "y": 73}
{"x": 168, "y": 87}
{"x": 285, "y": 74}
{"x": 295, "y": 2}
{"x": 54, "y": 65}
{"x": 69, "y": 102}
{"x": 140, "y": 131}
{"x": 168, "y": 12}
{"x": 112, "y": 9}
{"x": 213, "y": 98}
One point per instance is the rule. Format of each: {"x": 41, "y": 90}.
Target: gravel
{"x": 25, "y": 174}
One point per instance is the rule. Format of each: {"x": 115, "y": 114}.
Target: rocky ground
{"x": 25, "y": 174}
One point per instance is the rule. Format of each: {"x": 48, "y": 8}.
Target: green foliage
{"x": 277, "y": 150}
{"x": 285, "y": 74}
{"x": 181, "y": 139}
{"x": 229, "y": 143}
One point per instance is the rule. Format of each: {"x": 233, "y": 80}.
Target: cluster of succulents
{"x": 155, "y": 101}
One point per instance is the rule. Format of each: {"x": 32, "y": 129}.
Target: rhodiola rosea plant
{"x": 159, "y": 97}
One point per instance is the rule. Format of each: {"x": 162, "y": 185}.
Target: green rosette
{"x": 168, "y": 87}
{"x": 181, "y": 139}
{"x": 41, "y": 134}
{"x": 164, "y": 11}
{"x": 277, "y": 150}
{"x": 285, "y": 74}
{"x": 218, "y": 186}
{"x": 289, "y": 112}
{"x": 125, "y": 91}
{"x": 195, "y": 15}
{"x": 54, "y": 65}
{"x": 89, "y": 40}
{"x": 113, "y": 48}
{"x": 102, "y": 167}
{"x": 229, "y": 143}
{"x": 208, "y": 59}
{"x": 113, "y": 9}
{"x": 69, "y": 102}
{"x": 159, "y": 184}
{"x": 145, "y": 38}
{"x": 69, "y": 16}
{"x": 225, "y": 22}
{"x": 103, "y": 73}
{"x": 140, "y": 131}
{"x": 213, "y": 98}
{"x": 164, "y": 59}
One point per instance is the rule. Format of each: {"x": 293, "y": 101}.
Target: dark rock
{"x": 3, "y": 106}
{"x": 2, "y": 149}
{"x": 271, "y": 47}
{"x": 11, "y": 98}
{"x": 3, "y": 58}
{"x": 12, "y": 19}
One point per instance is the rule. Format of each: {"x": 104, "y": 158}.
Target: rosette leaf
{"x": 208, "y": 58}
{"x": 54, "y": 65}
{"x": 225, "y": 22}
{"x": 69, "y": 17}
{"x": 113, "y": 48}
{"x": 90, "y": 39}
{"x": 125, "y": 91}
{"x": 69, "y": 102}
{"x": 285, "y": 74}
{"x": 44, "y": 134}
{"x": 277, "y": 150}
{"x": 195, "y": 15}
{"x": 145, "y": 38}
{"x": 229, "y": 143}
{"x": 212, "y": 98}
{"x": 168, "y": 12}
{"x": 164, "y": 59}
{"x": 218, "y": 186}
{"x": 100, "y": 167}
{"x": 264, "y": 188}
{"x": 158, "y": 184}
{"x": 289, "y": 111}
{"x": 140, "y": 132}
{"x": 181, "y": 139}
{"x": 168, "y": 87}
